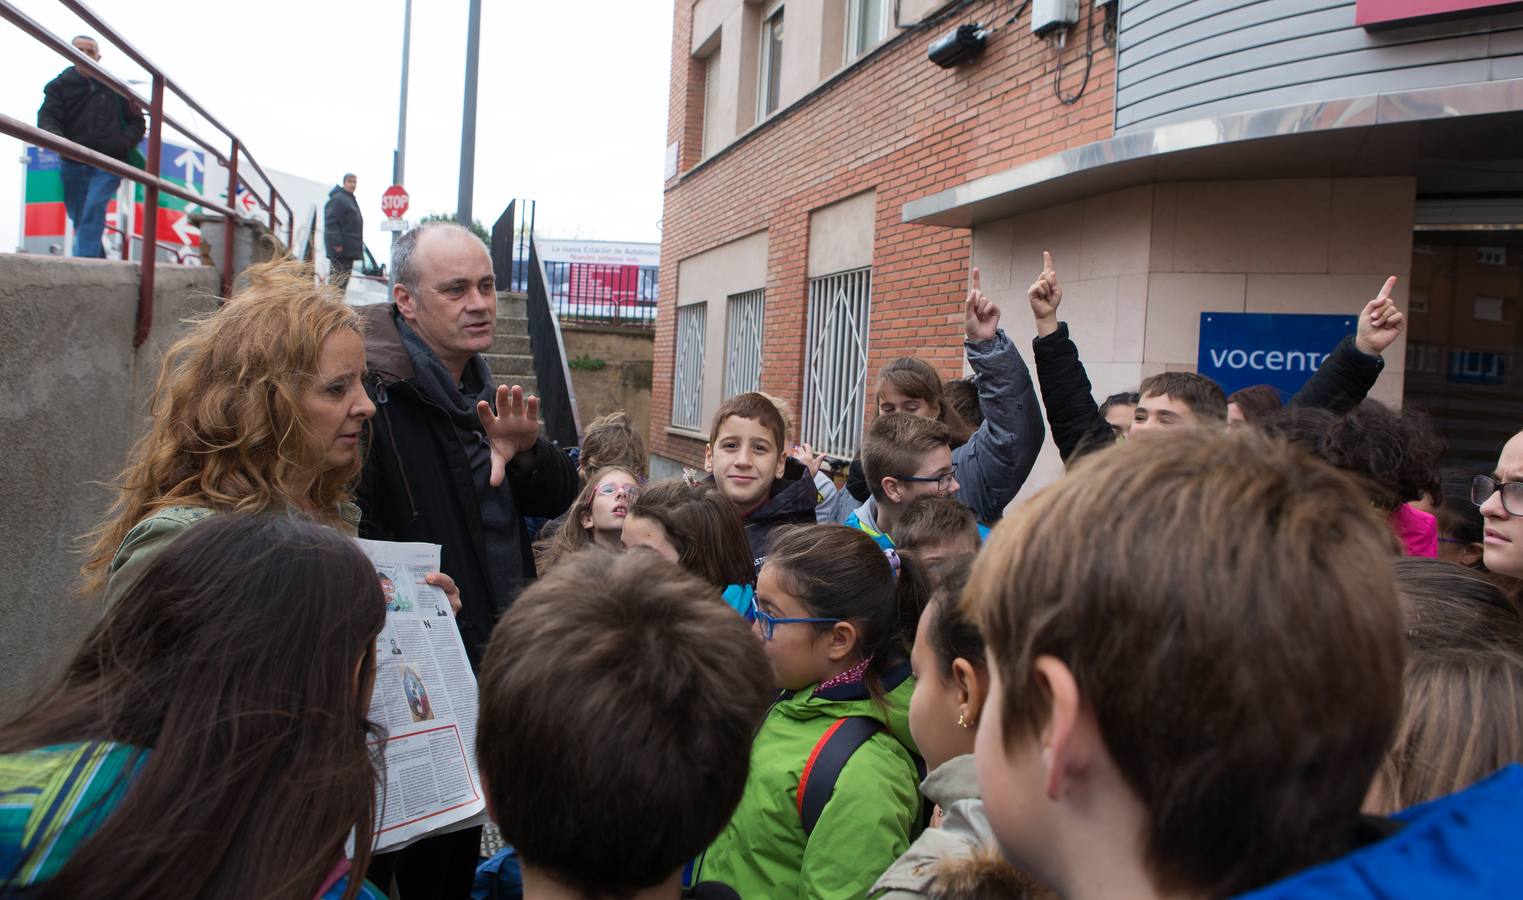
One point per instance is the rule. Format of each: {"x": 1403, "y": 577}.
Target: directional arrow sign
{"x": 184, "y": 229}
{"x": 191, "y": 162}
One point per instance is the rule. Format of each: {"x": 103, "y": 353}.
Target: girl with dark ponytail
{"x": 836, "y": 616}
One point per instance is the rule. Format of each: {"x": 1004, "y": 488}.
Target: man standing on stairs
{"x": 343, "y": 230}
{"x": 89, "y": 112}
{"x": 453, "y": 461}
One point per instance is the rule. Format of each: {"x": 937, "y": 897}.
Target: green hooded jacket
{"x": 870, "y": 820}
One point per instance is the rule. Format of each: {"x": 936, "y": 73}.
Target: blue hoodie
{"x": 1465, "y": 845}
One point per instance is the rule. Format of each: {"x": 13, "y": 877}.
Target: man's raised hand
{"x": 980, "y": 315}
{"x": 1380, "y": 322}
{"x": 512, "y": 429}
{"x": 1045, "y": 294}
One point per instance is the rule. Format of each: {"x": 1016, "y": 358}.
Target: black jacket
{"x": 343, "y": 225}
{"x": 87, "y": 112}
{"x": 791, "y": 502}
{"x": 1339, "y": 384}
{"x": 1073, "y": 416}
{"x": 417, "y": 483}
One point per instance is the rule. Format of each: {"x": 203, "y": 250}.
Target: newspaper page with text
{"x": 425, "y": 699}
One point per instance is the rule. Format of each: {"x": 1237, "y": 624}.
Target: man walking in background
{"x": 77, "y": 107}
{"x": 344, "y": 228}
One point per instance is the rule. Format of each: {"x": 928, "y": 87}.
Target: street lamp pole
{"x": 468, "y": 126}
{"x": 399, "y": 155}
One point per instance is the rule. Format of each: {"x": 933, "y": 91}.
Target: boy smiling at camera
{"x": 745, "y": 455}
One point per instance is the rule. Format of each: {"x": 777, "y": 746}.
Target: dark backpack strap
{"x": 829, "y": 757}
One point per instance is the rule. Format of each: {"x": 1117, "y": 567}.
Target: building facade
{"x": 829, "y": 188}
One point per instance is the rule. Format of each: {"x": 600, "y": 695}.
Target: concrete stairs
{"x": 510, "y": 359}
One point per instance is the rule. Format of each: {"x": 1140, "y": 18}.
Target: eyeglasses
{"x": 609, "y": 489}
{"x": 1483, "y": 486}
{"x": 943, "y": 482}
{"x": 768, "y": 622}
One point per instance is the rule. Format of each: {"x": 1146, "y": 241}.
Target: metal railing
{"x": 159, "y": 246}
{"x": 152, "y": 183}
{"x": 599, "y": 294}
{"x": 511, "y": 235}
{"x": 515, "y": 261}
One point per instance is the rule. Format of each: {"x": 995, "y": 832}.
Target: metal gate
{"x": 743, "y": 342}
{"x": 687, "y": 381}
{"x": 835, "y": 371}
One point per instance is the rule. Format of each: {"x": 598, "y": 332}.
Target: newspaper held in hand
{"x": 425, "y": 700}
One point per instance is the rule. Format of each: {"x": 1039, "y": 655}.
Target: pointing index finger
{"x": 1385, "y": 292}
{"x": 973, "y": 283}
{"x": 1046, "y": 261}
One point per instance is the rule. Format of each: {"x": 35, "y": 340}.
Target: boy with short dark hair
{"x": 746, "y": 456}
{"x": 1178, "y": 399}
{"x": 937, "y": 528}
{"x": 905, "y": 457}
{"x": 1198, "y": 710}
{"x": 619, "y": 699}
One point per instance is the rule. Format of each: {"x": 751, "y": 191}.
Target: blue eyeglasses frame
{"x": 769, "y": 622}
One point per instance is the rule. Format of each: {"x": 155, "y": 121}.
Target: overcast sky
{"x": 571, "y": 107}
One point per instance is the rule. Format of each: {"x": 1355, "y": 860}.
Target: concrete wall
{"x": 841, "y": 236}
{"x": 623, "y": 382}
{"x": 1139, "y": 266}
{"x": 73, "y": 399}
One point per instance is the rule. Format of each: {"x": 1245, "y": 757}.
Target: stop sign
{"x": 394, "y": 202}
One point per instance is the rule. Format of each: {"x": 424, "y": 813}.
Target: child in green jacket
{"x": 836, "y": 616}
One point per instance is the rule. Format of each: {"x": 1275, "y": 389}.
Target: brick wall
{"x": 896, "y": 124}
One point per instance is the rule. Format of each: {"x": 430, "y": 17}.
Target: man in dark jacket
{"x": 78, "y": 107}
{"x": 442, "y": 466}
{"x": 344, "y": 230}
{"x": 1078, "y": 425}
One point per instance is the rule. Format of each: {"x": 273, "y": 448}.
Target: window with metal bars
{"x": 687, "y": 381}
{"x": 743, "y": 342}
{"x": 835, "y": 369}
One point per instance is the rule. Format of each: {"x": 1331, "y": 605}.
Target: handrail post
{"x": 274, "y": 198}
{"x": 122, "y": 222}
{"x": 227, "y": 232}
{"x": 150, "y": 214}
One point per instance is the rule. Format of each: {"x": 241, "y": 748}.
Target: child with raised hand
{"x": 958, "y": 856}
{"x": 619, "y": 700}
{"x": 696, "y": 527}
{"x": 1170, "y": 399}
{"x": 991, "y": 461}
{"x": 598, "y": 513}
{"x": 831, "y": 800}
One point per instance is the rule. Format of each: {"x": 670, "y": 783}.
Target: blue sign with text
{"x": 1238, "y": 350}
